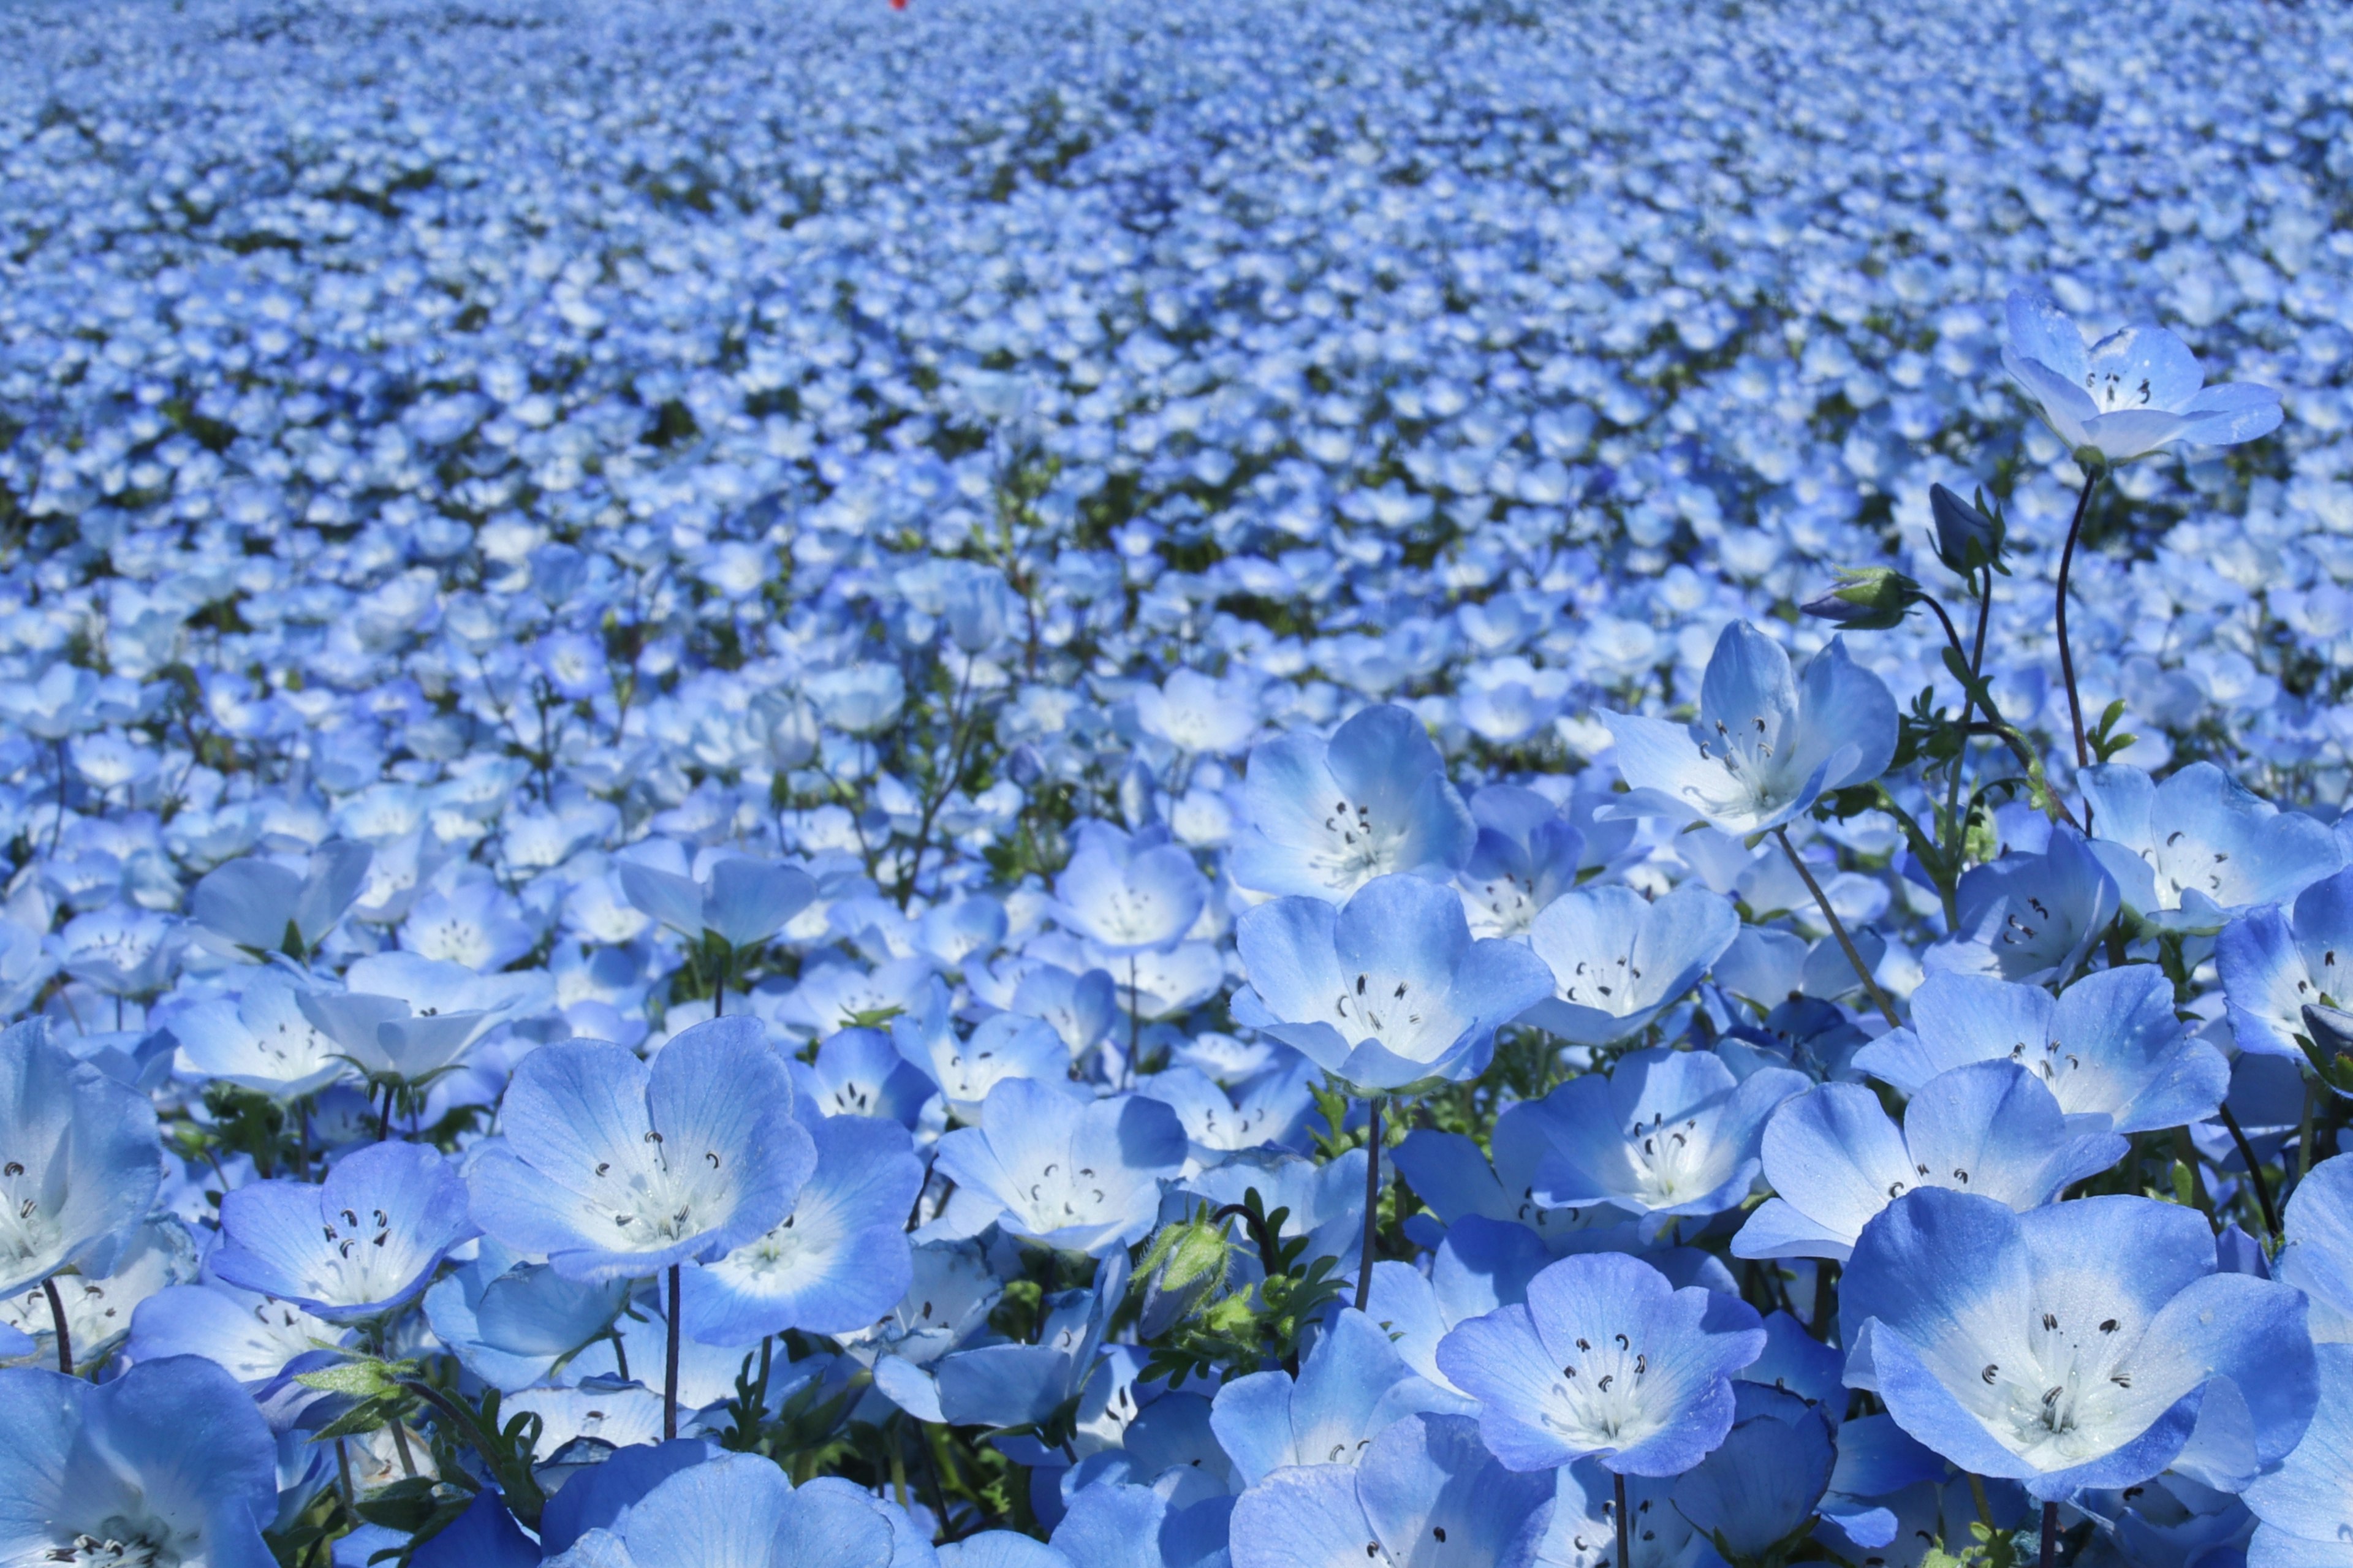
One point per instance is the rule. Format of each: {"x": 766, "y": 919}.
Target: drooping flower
{"x": 2029, "y": 918}
{"x": 2083, "y": 1345}
{"x": 266, "y": 907}
{"x": 613, "y": 1170}
{"x": 1607, "y": 1360}
{"x": 2131, "y": 392}
{"x": 411, "y": 1016}
{"x": 1766, "y": 746}
{"x": 509, "y": 1320}
{"x": 1328, "y": 817}
{"x": 1389, "y": 990}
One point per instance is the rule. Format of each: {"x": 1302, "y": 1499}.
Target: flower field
{"x": 1029, "y": 784}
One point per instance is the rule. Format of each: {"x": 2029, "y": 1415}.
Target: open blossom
{"x": 2131, "y": 392}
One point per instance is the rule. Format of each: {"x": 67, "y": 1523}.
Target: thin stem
{"x": 932, "y": 1475}
{"x": 1968, "y": 712}
{"x": 1625, "y": 1524}
{"x": 57, "y": 1318}
{"x": 1372, "y": 1204}
{"x": 1838, "y": 929}
{"x": 1134, "y": 1018}
{"x": 2303, "y": 1136}
{"x": 1268, "y": 1249}
{"x": 2050, "y": 1534}
{"x": 719, "y": 993}
{"x": 669, "y": 1368}
{"x": 2066, "y": 655}
{"x": 2254, "y": 1173}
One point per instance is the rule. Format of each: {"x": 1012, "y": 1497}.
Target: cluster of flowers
{"x": 1032, "y": 788}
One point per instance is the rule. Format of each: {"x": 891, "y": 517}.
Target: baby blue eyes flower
{"x": 264, "y": 907}
{"x": 2030, "y": 918}
{"x": 2129, "y": 394}
{"x": 170, "y": 1463}
{"x": 81, "y": 1161}
{"x": 2308, "y": 1522}
{"x": 1349, "y": 1389}
{"x": 2083, "y": 1345}
{"x": 508, "y": 1322}
{"x": 261, "y": 1040}
{"x": 1834, "y": 1159}
{"x": 2109, "y": 1045}
{"x": 2275, "y": 962}
{"x": 1666, "y": 1134}
{"x": 1328, "y": 817}
{"x": 1754, "y": 1498}
{"x": 1608, "y": 1361}
{"x": 1766, "y": 746}
{"x": 2199, "y": 848}
{"x": 1388, "y": 991}
{"x": 613, "y": 1170}
{"x": 1426, "y": 1491}
{"x": 1057, "y": 1168}
{"x": 742, "y": 901}
{"x": 364, "y": 1241}
{"x": 1527, "y": 855}
{"x": 738, "y": 1511}
{"x": 1619, "y": 960}
{"x": 1129, "y": 893}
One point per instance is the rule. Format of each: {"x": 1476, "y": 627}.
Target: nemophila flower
{"x": 2317, "y": 1254}
{"x": 508, "y": 1322}
{"x": 1060, "y": 1169}
{"x": 464, "y": 916}
{"x": 1272, "y": 1109}
{"x": 739, "y": 1510}
{"x": 2275, "y": 962}
{"x": 616, "y": 1170}
{"x": 365, "y": 1240}
{"x": 998, "y": 1548}
{"x": 250, "y": 1334}
{"x": 1120, "y": 1524}
{"x": 2083, "y": 1345}
{"x": 259, "y": 1039}
{"x": 1389, "y": 990}
{"x": 2129, "y": 394}
{"x": 1129, "y": 893}
{"x": 1577, "y": 1527}
{"x": 860, "y": 1072}
{"x": 1456, "y": 1181}
{"x": 836, "y": 1262}
{"x": 742, "y": 901}
{"x": 410, "y": 1016}
{"x": 2029, "y": 918}
{"x": 1425, "y": 1491}
{"x": 1767, "y": 744}
{"x": 1507, "y": 700}
{"x": 2190, "y": 853}
{"x": 948, "y": 1299}
{"x": 170, "y": 1463}
{"x": 1349, "y": 1389}
{"x": 121, "y": 951}
{"x": 2109, "y": 1045}
{"x": 81, "y": 1161}
{"x": 1754, "y": 1498}
{"x": 1326, "y": 1199}
{"x": 1197, "y": 715}
{"x": 2303, "y": 1503}
{"x": 862, "y": 699}
{"x": 1834, "y": 1159}
{"x": 1328, "y": 817}
{"x": 1618, "y": 960}
{"x": 159, "y": 1253}
{"x": 1665, "y": 1134}
{"x": 267, "y": 907}
{"x": 1527, "y": 855}
{"x": 964, "y": 1067}
{"x": 1015, "y": 1385}
{"x": 1606, "y": 1360}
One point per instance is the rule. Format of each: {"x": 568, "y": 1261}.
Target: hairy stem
{"x": 58, "y": 1317}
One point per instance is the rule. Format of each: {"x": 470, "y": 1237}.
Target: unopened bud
{"x": 1870, "y": 600}
{"x": 1968, "y": 539}
{"x": 1185, "y": 1264}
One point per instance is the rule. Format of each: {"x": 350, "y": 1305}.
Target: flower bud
{"x": 1869, "y": 600}
{"x": 1185, "y": 1264}
{"x": 1967, "y": 540}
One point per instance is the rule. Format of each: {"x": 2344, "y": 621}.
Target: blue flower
{"x": 509, "y": 1321}
{"x": 1606, "y": 1360}
{"x": 615, "y": 1171}
{"x": 1326, "y": 818}
{"x": 1015, "y": 1385}
{"x": 1349, "y": 1389}
{"x": 2109, "y": 1045}
{"x": 836, "y": 1262}
{"x": 2190, "y": 853}
{"x": 742, "y": 901}
{"x": 266, "y": 907}
{"x": 248, "y": 1334}
{"x": 1766, "y": 746}
{"x": 1129, "y": 893}
{"x": 1619, "y": 960}
{"x": 169, "y": 1463}
{"x": 1114, "y": 1524}
{"x": 1001, "y": 1046}
{"x": 1388, "y": 991}
{"x": 1060, "y": 1168}
{"x": 738, "y": 1511}
{"x": 259, "y": 1040}
{"x": 2083, "y": 1345}
{"x": 860, "y": 1072}
{"x": 81, "y": 1161}
{"x": 364, "y": 1241}
{"x": 2029, "y": 918}
{"x": 1666, "y": 1134}
{"x": 2275, "y": 966}
{"x": 1754, "y": 1498}
{"x": 2129, "y": 394}
{"x": 1834, "y": 1159}
{"x": 2303, "y": 1503}
{"x": 1527, "y": 855}
{"x": 1424, "y": 1487}
{"x": 1577, "y": 1527}
{"x": 2317, "y": 1255}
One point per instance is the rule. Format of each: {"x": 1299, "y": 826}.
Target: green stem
{"x": 1838, "y": 929}
{"x": 1372, "y": 1204}
{"x": 2066, "y": 655}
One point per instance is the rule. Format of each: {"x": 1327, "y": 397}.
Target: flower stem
{"x": 2254, "y": 1173}
{"x": 1625, "y": 1525}
{"x": 2066, "y": 656}
{"x": 669, "y": 1368}
{"x": 58, "y": 1317}
{"x": 1838, "y": 929}
{"x": 2050, "y": 1534}
{"x": 1372, "y": 1203}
